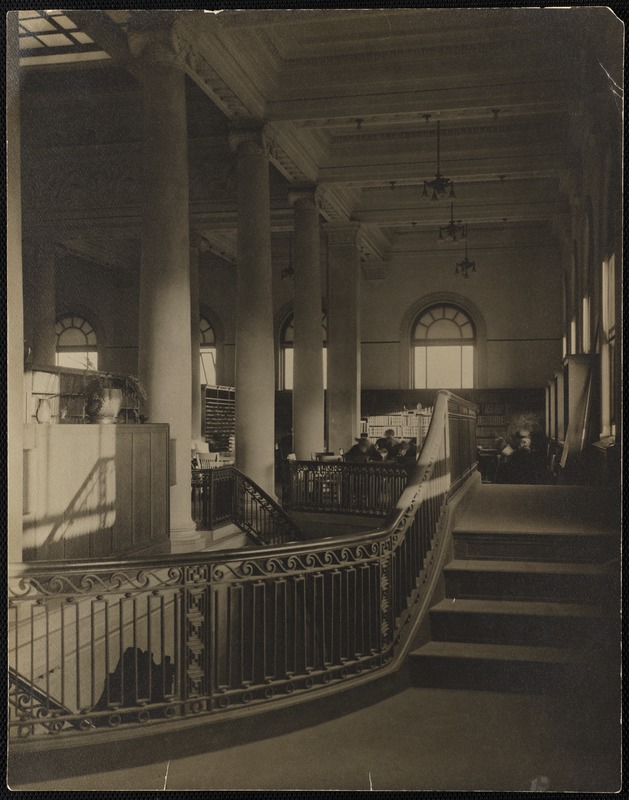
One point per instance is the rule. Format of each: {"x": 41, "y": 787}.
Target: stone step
{"x": 523, "y": 623}
{"x": 226, "y": 537}
{"x": 505, "y": 668}
{"x": 557, "y": 582}
{"x": 596, "y": 547}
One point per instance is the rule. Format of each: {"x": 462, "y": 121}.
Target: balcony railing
{"x": 343, "y": 488}
{"x": 224, "y": 495}
{"x": 123, "y": 644}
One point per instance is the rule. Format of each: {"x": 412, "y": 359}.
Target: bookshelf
{"x": 406, "y": 424}
{"x": 219, "y": 418}
{"x": 500, "y": 411}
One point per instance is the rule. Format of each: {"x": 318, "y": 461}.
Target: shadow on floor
{"x": 217, "y": 734}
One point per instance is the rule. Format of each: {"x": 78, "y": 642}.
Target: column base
{"x": 185, "y": 538}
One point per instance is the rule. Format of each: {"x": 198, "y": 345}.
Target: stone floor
{"x": 544, "y": 509}
{"x": 386, "y": 735}
{"x": 398, "y": 737}
{"x": 316, "y": 526}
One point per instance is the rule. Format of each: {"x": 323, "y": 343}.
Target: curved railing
{"x": 132, "y": 643}
{"x": 224, "y": 495}
{"x": 342, "y": 487}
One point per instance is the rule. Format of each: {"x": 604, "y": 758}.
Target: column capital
{"x": 158, "y": 48}
{"x": 305, "y": 196}
{"x": 253, "y": 139}
{"x": 343, "y": 233}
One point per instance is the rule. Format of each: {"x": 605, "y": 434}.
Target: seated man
{"x": 362, "y": 452}
{"x": 404, "y": 450}
{"x": 520, "y": 462}
{"x": 388, "y": 442}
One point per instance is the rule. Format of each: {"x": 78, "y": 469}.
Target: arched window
{"x": 443, "y": 339}
{"x": 76, "y": 343}
{"x": 286, "y": 352}
{"x": 207, "y": 352}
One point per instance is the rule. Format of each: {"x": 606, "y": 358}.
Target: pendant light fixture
{"x": 440, "y": 184}
{"x": 450, "y": 230}
{"x": 465, "y": 266}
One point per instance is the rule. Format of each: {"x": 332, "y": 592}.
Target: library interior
{"x": 314, "y": 398}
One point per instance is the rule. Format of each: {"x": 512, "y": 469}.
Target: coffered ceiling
{"x": 351, "y": 100}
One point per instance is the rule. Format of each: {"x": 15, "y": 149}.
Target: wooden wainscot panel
{"x": 94, "y": 491}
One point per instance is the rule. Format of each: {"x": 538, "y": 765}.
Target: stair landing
{"x": 540, "y": 509}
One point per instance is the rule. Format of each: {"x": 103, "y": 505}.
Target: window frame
{"x": 88, "y": 330}
{"x": 426, "y": 342}
{"x": 207, "y": 347}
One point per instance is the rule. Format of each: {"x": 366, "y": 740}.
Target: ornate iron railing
{"x": 224, "y": 495}
{"x": 132, "y": 643}
{"x": 342, "y": 487}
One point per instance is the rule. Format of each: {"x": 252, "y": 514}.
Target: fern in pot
{"x": 104, "y": 394}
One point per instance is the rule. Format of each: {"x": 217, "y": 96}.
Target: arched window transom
{"x": 76, "y": 343}
{"x": 443, "y": 339}
{"x": 207, "y": 340}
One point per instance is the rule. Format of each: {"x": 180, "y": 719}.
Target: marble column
{"x": 164, "y": 343}
{"x": 255, "y": 346}
{"x": 195, "y": 338}
{"x": 15, "y": 314}
{"x": 308, "y": 407}
{"x": 44, "y": 339}
{"x": 343, "y": 334}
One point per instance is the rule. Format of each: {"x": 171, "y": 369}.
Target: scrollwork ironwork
{"x": 218, "y": 609}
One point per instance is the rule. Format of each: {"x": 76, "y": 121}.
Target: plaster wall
{"x": 515, "y": 291}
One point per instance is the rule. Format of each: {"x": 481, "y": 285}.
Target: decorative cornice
{"x": 291, "y": 155}
{"x": 221, "y": 245}
{"x": 203, "y": 73}
{"x": 270, "y": 45}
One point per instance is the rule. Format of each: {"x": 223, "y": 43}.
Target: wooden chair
{"x": 208, "y": 460}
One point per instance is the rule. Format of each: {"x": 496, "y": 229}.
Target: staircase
{"x": 531, "y": 595}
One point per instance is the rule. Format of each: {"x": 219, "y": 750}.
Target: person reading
{"x": 388, "y": 442}
{"x": 362, "y": 452}
{"x": 404, "y": 450}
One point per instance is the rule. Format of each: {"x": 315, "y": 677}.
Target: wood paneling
{"x": 95, "y": 490}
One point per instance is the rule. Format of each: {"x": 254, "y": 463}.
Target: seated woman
{"x": 362, "y": 452}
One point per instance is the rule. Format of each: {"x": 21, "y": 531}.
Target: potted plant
{"x": 104, "y": 393}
